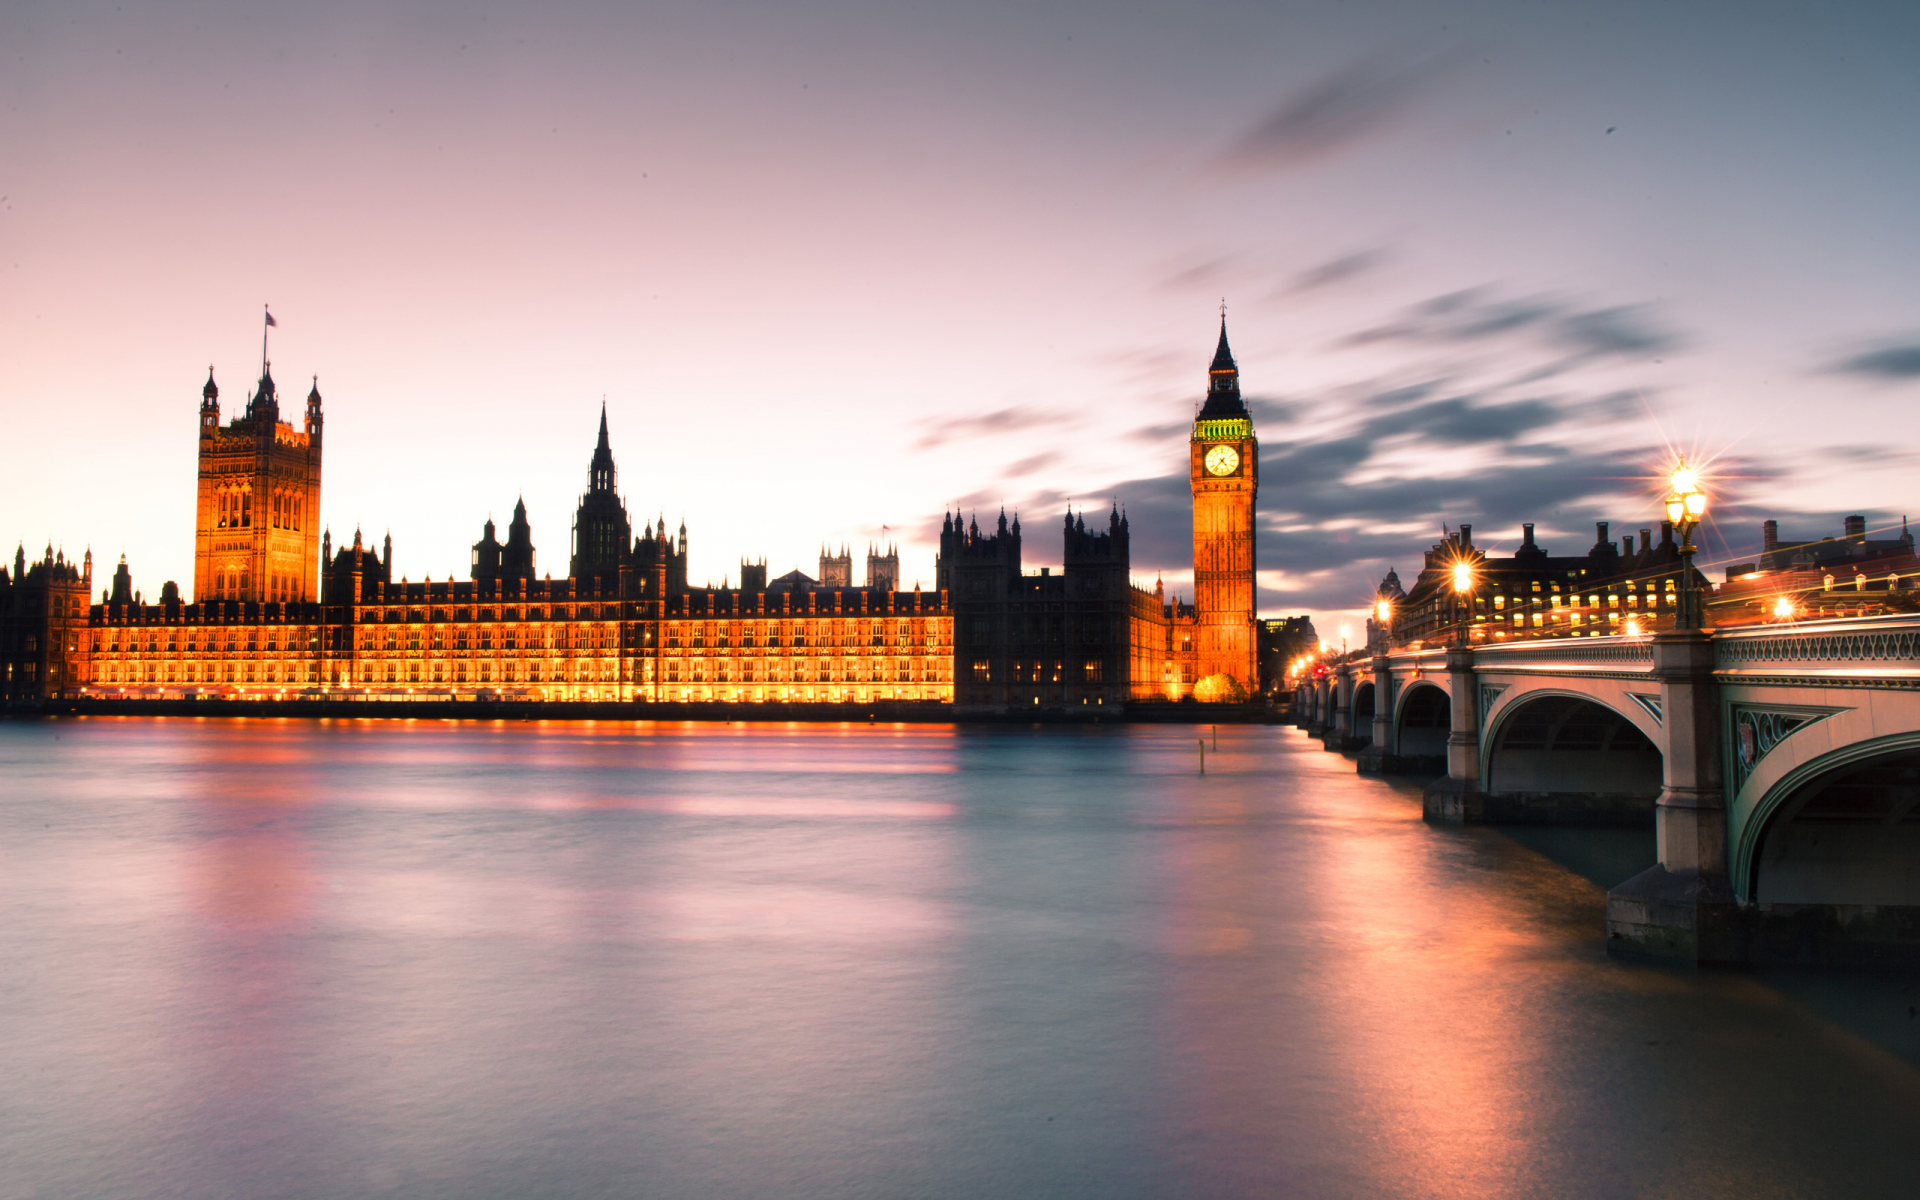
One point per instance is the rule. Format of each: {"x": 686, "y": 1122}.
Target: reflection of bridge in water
{"x": 1779, "y": 766}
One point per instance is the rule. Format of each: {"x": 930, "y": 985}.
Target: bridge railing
{"x": 1575, "y": 655}
{"x": 1883, "y": 649}
{"x": 1424, "y": 660}
{"x": 1559, "y": 655}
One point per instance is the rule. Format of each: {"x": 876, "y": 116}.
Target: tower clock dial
{"x": 1222, "y": 460}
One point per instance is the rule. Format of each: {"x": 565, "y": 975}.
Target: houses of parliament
{"x": 279, "y": 612}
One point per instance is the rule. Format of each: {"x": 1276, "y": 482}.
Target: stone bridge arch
{"x": 1364, "y": 702}
{"x": 1833, "y": 824}
{"x": 1422, "y": 719}
{"x": 1564, "y": 756}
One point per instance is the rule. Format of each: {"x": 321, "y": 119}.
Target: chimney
{"x": 1526, "y": 534}
{"x": 1646, "y": 540}
{"x": 1666, "y": 533}
{"x": 1600, "y": 541}
{"x": 1466, "y": 537}
{"x": 1770, "y": 535}
{"x": 1857, "y": 528}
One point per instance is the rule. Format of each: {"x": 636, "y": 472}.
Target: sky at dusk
{"x": 840, "y": 267}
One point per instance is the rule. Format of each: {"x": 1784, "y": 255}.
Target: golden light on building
{"x": 276, "y": 613}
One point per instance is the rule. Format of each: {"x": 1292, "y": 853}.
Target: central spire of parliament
{"x": 601, "y": 531}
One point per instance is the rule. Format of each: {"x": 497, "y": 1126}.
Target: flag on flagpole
{"x": 272, "y": 322}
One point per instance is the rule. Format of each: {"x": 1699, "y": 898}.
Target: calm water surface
{"x": 267, "y": 958}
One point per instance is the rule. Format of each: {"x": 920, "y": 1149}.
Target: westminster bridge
{"x": 1779, "y": 766}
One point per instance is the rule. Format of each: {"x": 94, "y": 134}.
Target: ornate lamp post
{"x": 1686, "y": 504}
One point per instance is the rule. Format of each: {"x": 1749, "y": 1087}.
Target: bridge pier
{"x": 1340, "y": 733}
{"x": 1340, "y": 708}
{"x": 1317, "y": 724}
{"x": 1377, "y": 758}
{"x": 1459, "y": 799}
{"x": 1683, "y": 908}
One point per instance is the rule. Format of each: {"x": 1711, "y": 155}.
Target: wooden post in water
{"x": 1203, "y": 756}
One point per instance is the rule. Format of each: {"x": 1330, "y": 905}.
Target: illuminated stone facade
{"x": 624, "y": 626}
{"x": 257, "y": 520}
{"x": 277, "y": 613}
{"x": 1224, "y": 468}
{"x": 44, "y": 635}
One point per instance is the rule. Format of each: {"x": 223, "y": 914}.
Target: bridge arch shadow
{"x": 1362, "y": 711}
{"x": 1561, "y": 759}
{"x": 1421, "y": 727}
{"x": 1844, "y": 830}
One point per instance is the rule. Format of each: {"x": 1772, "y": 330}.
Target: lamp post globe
{"x": 1686, "y": 504}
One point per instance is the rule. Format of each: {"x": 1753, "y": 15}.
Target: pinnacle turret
{"x": 1223, "y": 382}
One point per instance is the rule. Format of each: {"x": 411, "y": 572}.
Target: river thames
{"x": 257, "y": 958}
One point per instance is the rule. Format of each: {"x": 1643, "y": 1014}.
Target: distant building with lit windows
{"x": 1853, "y": 575}
{"x": 1613, "y": 588}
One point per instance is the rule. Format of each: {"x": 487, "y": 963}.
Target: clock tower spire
{"x": 1224, "y": 470}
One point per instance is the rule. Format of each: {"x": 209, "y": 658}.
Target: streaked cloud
{"x": 1334, "y": 112}
{"x": 1892, "y": 361}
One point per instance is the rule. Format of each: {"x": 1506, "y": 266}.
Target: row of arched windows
{"x": 235, "y": 508}
{"x": 1860, "y": 581}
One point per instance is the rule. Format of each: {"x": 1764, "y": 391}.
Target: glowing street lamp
{"x": 1784, "y": 608}
{"x": 1686, "y": 504}
{"x": 1382, "y": 626}
{"x": 1462, "y": 594}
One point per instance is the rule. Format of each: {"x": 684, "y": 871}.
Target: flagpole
{"x": 266, "y": 319}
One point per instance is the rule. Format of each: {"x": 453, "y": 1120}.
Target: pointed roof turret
{"x": 1223, "y": 353}
{"x": 600, "y": 474}
{"x": 1223, "y": 382}
{"x": 266, "y": 397}
{"x": 212, "y": 390}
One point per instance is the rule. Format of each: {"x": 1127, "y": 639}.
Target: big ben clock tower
{"x": 1224, "y": 468}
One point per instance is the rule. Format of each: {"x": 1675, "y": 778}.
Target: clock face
{"x": 1222, "y": 460}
